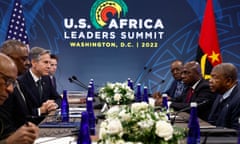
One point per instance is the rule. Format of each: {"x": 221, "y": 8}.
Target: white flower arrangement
{"x": 116, "y": 93}
{"x": 137, "y": 124}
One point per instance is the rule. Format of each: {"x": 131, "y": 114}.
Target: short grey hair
{"x": 36, "y": 52}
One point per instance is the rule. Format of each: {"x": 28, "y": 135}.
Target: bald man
{"x": 8, "y": 74}
{"x": 15, "y": 106}
{"x": 18, "y": 52}
{"x": 226, "y": 108}
{"x": 198, "y": 91}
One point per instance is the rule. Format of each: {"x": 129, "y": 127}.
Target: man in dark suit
{"x": 53, "y": 69}
{"x": 27, "y": 133}
{"x": 198, "y": 91}
{"x": 177, "y": 87}
{"x": 14, "y": 110}
{"x": 36, "y": 85}
{"x": 226, "y": 108}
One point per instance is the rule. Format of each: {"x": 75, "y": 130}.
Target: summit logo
{"x": 103, "y": 10}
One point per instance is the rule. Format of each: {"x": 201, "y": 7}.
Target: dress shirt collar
{"x": 195, "y": 85}
{"x": 35, "y": 78}
{"x": 227, "y": 93}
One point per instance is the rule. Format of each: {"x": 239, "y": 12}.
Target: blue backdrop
{"x": 146, "y": 60}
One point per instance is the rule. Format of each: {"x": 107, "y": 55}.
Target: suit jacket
{"x": 201, "y": 94}
{"x": 172, "y": 88}
{"x": 31, "y": 92}
{"x": 13, "y": 113}
{"x": 229, "y": 112}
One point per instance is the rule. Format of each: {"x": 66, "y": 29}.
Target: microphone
{"x": 77, "y": 83}
{"x": 76, "y": 79}
{"x": 186, "y": 109}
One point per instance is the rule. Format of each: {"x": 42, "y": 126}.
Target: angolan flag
{"x": 208, "y": 53}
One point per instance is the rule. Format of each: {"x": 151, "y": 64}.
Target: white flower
{"x": 117, "y": 97}
{"x": 146, "y": 124}
{"x": 136, "y": 107}
{"x": 114, "y": 127}
{"x": 124, "y": 116}
{"x": 116, "y": 93}
{"x": 113, "y": 112}
{"x": 137, "y": 124}
{"x": 164, "y": 130}
{"x": 102, "y": 130}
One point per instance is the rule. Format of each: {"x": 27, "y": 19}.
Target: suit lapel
{"x": 33, "y": 88}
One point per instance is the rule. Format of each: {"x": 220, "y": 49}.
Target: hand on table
{"x": 48, "y": 106}
{"x": 26, "y": 134}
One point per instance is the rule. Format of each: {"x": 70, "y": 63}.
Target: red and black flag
{"x": 208, "y": 54}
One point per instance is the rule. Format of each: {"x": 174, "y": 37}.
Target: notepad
{"x": 59, "y": 125}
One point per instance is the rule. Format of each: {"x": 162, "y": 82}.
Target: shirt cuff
{"x": 39, "y": 112}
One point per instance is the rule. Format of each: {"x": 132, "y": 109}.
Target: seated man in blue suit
{"x": 36, "y": 85}
{"x": 177, "y": 87}
{"x": 226, "y": 108}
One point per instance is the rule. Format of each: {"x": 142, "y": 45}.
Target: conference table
{"x": 66, "y": 133}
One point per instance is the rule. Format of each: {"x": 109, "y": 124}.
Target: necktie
{"x": 53, "y": 82}
{"x": 40, "y": 89}
{"x": 179, "y": 89}
{"x": 189, "y": 94}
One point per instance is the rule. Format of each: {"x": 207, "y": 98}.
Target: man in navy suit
{"x": 177, "y": 87}
{"x": 198, "y": 91}
{"x": 36, "y": 85}
{"x": 226, "y": 108}
{"x": 14, "y": 110}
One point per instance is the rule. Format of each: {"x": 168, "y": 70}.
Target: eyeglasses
{"x": 8, "y": 80}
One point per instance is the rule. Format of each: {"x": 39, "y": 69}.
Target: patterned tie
{"x": 179, "y": 89}
{"x": 189, "y": 94}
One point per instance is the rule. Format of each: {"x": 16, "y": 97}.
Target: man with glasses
{"x": 15, "y": 107}
{"x": 27, "y": 133}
